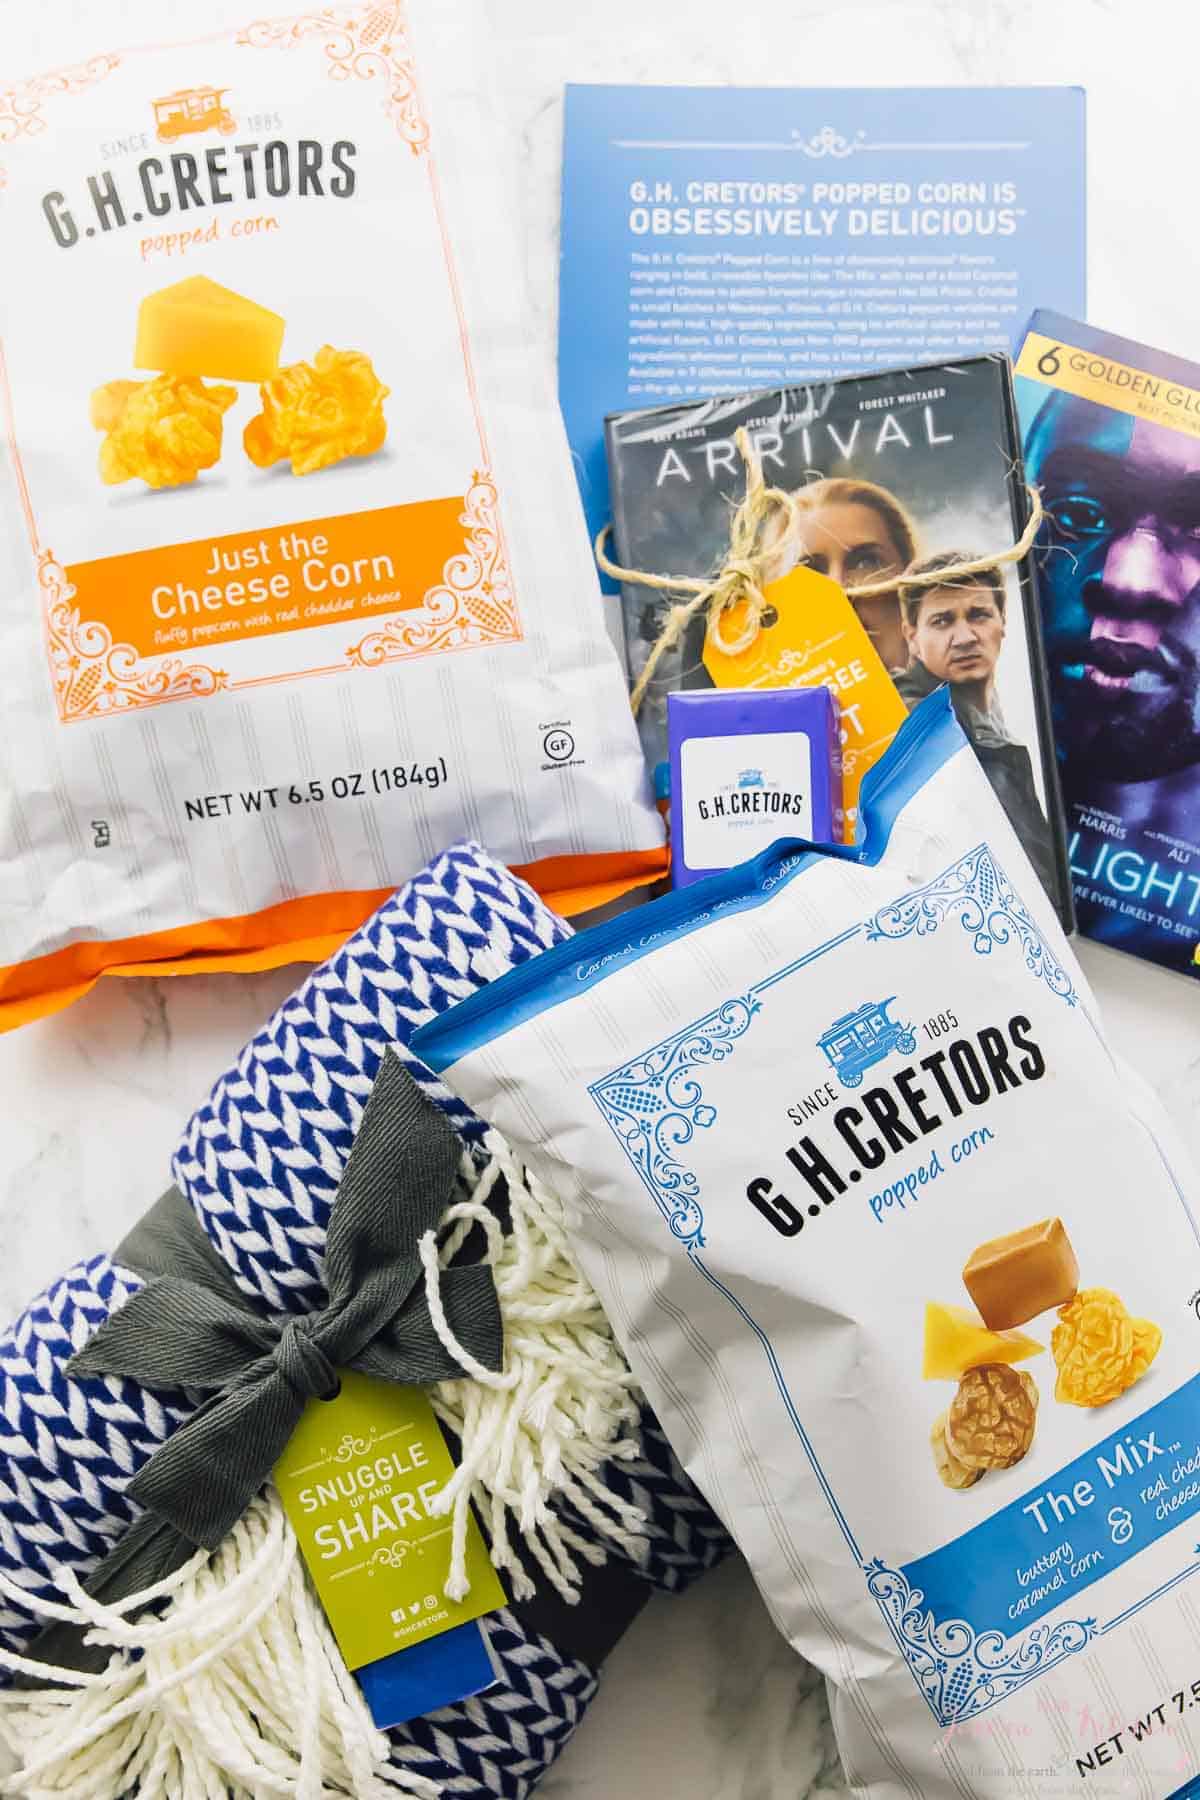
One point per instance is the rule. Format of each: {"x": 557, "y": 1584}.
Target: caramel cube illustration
{"x": 1012, "y": 1279}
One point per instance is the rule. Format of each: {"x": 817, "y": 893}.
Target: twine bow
{"x": 191, "y": 1327}
{"x": 754, "y": 558}
{"x": 740, "y": 581}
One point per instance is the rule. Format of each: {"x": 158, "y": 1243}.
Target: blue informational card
{"x": 716, "y": 240}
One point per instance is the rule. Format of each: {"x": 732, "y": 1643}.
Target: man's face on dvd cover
{"x": 958, "y": 633}
{"x": 1120, "y": 581}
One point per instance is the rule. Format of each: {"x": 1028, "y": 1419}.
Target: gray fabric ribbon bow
{"x": 192, "y": 1327}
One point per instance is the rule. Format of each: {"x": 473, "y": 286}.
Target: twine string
{"x": 754, "y": 553}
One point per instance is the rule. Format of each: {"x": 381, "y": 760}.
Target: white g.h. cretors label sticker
{"x": 741, "y": 793}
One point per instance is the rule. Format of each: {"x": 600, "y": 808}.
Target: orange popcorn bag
{"x": 294, "y": 583}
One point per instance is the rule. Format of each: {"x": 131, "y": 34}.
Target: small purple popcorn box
{"x": 749, "y": 767}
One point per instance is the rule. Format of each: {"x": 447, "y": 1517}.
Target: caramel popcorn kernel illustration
{"x": 953, "y": 1474}
{"x": 991, "y": 1418}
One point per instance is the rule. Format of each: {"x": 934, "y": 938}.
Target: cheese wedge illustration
{"x": 198, "y": 327}
{"x": 956, "y": 1339}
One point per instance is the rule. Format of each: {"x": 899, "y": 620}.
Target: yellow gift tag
{"x": 357, "y": 1480}
{"x": 816, "y": 639}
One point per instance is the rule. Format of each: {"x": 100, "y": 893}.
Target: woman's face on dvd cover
{"x": 851, "y": 542}
{"x": 1121, "y": 587}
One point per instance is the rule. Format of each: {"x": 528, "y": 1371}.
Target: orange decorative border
{"x": 475, "y": 603}
{"x": 92, "y": 675}
{"x": 359, "y": 44}
{"x": 473, "y": 606}
{"x": 21, "y": 106}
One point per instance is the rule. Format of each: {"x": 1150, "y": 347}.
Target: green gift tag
{"x": 357, "y": 1480}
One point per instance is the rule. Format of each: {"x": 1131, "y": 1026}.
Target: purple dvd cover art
{"x": 1112, "y": 440}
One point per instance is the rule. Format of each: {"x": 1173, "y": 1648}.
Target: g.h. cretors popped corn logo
{"x": 192, "y": 110}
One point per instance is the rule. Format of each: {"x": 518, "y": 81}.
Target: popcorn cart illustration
{"x": 192, "y": 109}
{"x": 863, "y": 1037}
{"x": 751, "y": 778}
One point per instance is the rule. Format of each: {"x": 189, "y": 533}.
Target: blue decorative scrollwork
{"x": 828, "y": 141}
{"x": 987, "y": 906}
{"x": 656, "y": 1104}
{"x": 960, "y": 1671}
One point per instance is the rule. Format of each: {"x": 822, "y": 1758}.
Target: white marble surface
{"x": 702, "y": 1700}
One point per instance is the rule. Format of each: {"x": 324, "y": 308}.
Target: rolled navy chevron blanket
{"x": 260, "y": 1162}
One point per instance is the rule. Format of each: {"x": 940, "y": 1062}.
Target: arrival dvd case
{"x": 896, "y": 471}
{"x": 1112, "y": 438}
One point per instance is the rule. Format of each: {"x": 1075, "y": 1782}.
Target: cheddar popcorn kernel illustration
{"x": 163, "y": 431}
{"x": 317, "y": 414}
{"x": 1099, "y": 1349}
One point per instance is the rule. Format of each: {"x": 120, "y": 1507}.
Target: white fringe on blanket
{"x": 232, "y": 1687}
{"x": 239, "y": 1691}
{"x": 564, "y": 1404}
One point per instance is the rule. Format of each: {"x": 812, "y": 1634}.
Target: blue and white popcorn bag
{"x": 907, "y": 1264}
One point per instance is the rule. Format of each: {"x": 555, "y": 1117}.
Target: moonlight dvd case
{"x": 1112, "y": 437}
